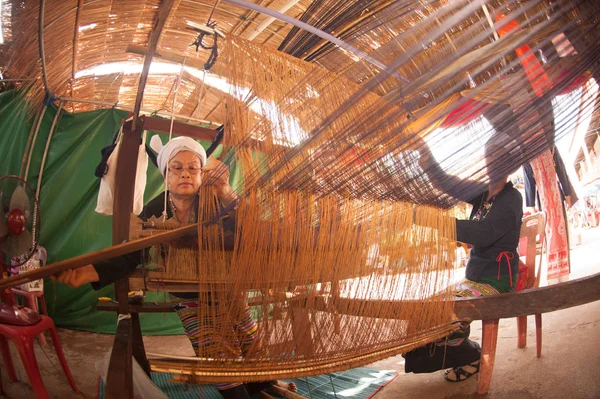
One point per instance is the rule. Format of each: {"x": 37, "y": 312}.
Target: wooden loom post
{"x": 128, "y": 339}
{"x": 119, "y": 382}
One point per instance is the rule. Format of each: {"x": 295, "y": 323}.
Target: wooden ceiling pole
{"x": 128, "y": 338}
{"x": 179, "y": 128}
{"x": 75, "y": 43}
{"x": 159, "y": 23}
{"x": 269, "y": 20}
{"x": 41, "y": 44}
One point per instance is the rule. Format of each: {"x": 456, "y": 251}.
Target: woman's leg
{"x": 246, "y": 331}
{"x": 468, "y": 353}
{"x": 456, "y": 349}
{"x": 255, "y": 387}
{"x": 245, "y": 328}
{"x": 452, "y": 351}
{"x": 211, "y": 332}
{"x": 236, "y": 392}
{"x": 203, "y": 330}
{"x": 249, "y": 389}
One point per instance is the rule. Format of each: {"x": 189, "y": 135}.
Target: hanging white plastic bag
{"x": 143, "y": 387}
{"x": 104, "y": 205}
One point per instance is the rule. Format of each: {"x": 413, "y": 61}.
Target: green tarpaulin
{"x": 68, "y": 196}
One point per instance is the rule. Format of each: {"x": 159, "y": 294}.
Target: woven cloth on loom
{"x": 358, "y": 383}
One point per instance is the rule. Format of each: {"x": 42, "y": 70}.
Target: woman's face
{"x": 495, "y": 160}
{"x": 185, "y": 174}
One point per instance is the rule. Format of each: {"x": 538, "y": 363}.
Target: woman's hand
{"x": 77, "y": 277}
{"x": 216, "y": 174}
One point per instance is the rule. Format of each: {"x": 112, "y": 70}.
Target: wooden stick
{"x": 120, "y": 360}
{"x": 120, "y": 375}
{"x": 179, "y": 128}
{"x": 100, "y": 255}
{"x": 166, "y": 55}
{"x": 527, "y": 302}
{"x": 41, "y": 46}
{"x": 75, "y": 42}
{"x": 159, "y": 23}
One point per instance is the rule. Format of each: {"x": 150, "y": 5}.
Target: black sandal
{"x": 459, "y": 374}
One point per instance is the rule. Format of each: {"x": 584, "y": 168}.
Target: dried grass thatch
{"x": 383, "y": 29}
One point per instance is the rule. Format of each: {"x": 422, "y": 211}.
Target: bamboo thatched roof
{"x": 79, "y": 35}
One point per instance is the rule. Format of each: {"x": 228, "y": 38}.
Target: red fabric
{"x": 575, "y": 81}
{"x": 508, "y": 255}
{"x": 540, "y": 82}
{"x": 465, "y": 113}
{"x": 556, "y": 231}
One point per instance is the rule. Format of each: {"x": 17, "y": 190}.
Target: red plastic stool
{"x": 31, "y": 299}
{"x": 22, "y": 337}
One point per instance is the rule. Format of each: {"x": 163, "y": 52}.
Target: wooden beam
{"x": 167, "y": 55}
{"x": 41, "y": 44}
{"x": 137, "y": 343}
{"x": 533, "y": 301}
{"x": 152, "y": 307}
{"x": 125, "y": 180}
{"x": 179, "y": 128}
{"x": 159, "y": 23}
{"x": 97, "y": 256}
{"x": 120, "y": 368}
{"x": 196, "y": 132}
{"x": 145, "y": 307}
{"x": 119, "y": 372}
{"x": 526, "y": 302}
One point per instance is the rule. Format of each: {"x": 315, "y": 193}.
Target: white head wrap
{"x": 175, "y": 146}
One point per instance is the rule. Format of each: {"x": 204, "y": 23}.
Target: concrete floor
{"x": 569, "y": 366}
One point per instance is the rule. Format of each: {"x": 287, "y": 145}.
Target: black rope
{"x": 214, "y": 49}
{"x": 212, "y": 12}
{"x": 217, "y": 140}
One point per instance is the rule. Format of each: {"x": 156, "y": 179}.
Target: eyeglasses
{"x": 177, "y": 170}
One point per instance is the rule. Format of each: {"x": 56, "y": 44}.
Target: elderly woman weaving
{"x": 182, "y": 162}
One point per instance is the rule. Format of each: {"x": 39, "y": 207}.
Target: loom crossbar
{"x": 523, "y": 303}
{"x": 97, "y": 256}
{"x": 526, "y": 302}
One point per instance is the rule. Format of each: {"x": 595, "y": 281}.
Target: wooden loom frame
{"x": 128, "y": 338}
